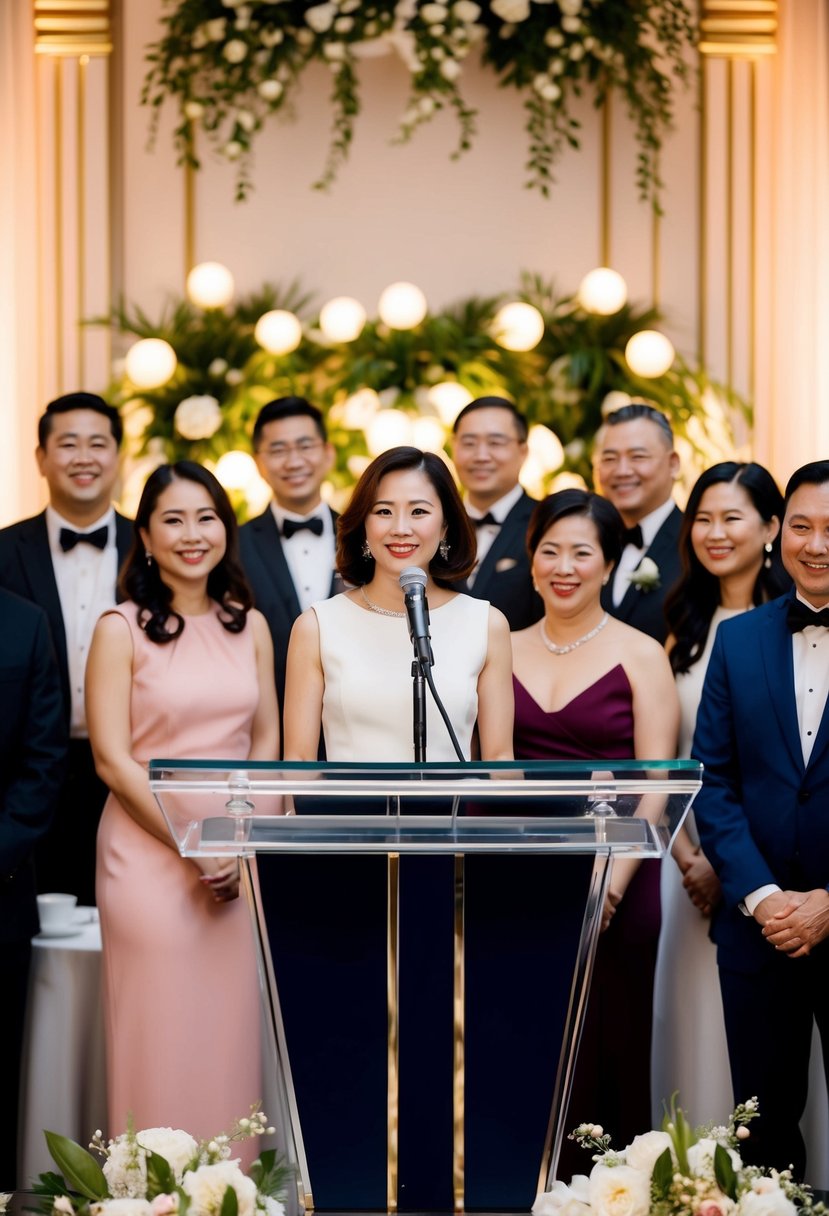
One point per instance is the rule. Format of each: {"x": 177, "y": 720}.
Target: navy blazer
{"x": 644, "y": 610}
{"x": 503, "y": 577}
{"x": 762, "y": 814}
{"x": 26, "y": 569}
{"x": 274, "y": 593}
{"x": 33, "y": 734}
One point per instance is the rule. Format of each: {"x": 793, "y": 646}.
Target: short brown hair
{"x": 351, "y": 526}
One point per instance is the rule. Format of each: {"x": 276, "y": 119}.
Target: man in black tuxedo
{"x": 66, "y": 560}
{"x": 635, "y": 466}
{"x": 762, "y": 735}
{"x": 489, "y": 447}
{"x": 288, "y": 551}
{"x": 32, "y": 758}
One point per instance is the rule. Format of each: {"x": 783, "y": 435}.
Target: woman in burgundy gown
{"x": 588, "y": 687}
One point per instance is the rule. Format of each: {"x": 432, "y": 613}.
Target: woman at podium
{"x": 588, "y": 687}
{"x": 350, "y": 657}
{"x": 182, "y": 669}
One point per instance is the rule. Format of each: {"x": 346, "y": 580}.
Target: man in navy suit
{"x": 763, "y": 816}
{"x": 635, "y": 466}
{"x": 489, "y": 447}
{"x": 66, "y": 560}
{"x": 288, "y": 551}
{"x": 32, "y": 757}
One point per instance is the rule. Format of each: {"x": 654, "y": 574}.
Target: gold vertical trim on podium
{"x": 393, "y": 1062}
{"x": 702, "y": 204}
{"x": 752, "y": 227}
{"x": 458, "y": 1097}
{"x": 57, "y": 100}
{"x": 729, "y": 223}
{"x": 80, "y": 170}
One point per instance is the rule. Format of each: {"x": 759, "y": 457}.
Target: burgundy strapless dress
{"x": 612, "y": 1079}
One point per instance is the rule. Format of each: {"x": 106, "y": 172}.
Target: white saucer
{"x": 63, "y": 931}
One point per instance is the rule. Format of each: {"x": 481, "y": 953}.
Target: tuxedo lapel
{"x": 661, "y": 551}
{"x": 268, "y": 545}
{"x": 510, "y": 534}
{"x": 778, "y": 667}
{"x": 39, "y": 572}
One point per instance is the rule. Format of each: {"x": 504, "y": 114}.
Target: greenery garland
{"x": 229, "y": 65}
{"x": 575, "y": 373}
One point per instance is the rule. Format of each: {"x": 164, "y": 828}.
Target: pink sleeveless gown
{"x": 181, "y": 996}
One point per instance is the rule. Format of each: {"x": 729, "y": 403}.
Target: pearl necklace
{"x": 553, "y": 649}
{"x": 372, "y": 607}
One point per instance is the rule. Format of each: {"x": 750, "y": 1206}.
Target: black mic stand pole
{"x": 419, "y": 711}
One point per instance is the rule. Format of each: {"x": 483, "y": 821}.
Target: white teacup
{"x": 56, "y": 910}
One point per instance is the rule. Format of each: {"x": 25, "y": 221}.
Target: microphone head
{"x": 412, "y": 578}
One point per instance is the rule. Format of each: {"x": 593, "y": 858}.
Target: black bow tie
{"x": 489, "y": 518}
{"x": 69, "y": 538}
{"x": 799, "y": 615}
{"x": 290, "y": 526}
{"x": 633, "y": 536}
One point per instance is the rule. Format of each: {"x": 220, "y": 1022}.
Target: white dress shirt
{"x": 810, "y": 655}
{"x": 486, "y": 533}
{"x": 86, "y": 587}
{"x": 310, "y": 558}
{"x": 632, "y": 556}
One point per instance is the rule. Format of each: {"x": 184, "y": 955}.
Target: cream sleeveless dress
{"x": 367, "y": 661}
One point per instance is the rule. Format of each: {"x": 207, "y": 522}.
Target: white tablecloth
{"x": 63, "y": 1082}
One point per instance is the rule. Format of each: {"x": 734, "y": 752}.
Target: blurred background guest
{"x": 635, "y": 466}
{"x": 405, "y": 511}
{"x": 183, "y": 669}
{"x": 489, "y": 446}
{"x": 288, "y": 551}
{"x": 731, "y": 562}
{"x": 33, "y": 741}
{"x": 588, "y": 687}
{"x": 66, "y": 560}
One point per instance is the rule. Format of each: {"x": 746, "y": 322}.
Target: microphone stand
{"x": 419, "y": 711}
{"x": 412, "y": 582}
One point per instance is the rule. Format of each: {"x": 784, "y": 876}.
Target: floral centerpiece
{"x": 677, "y": 1171}
{"x": 160, "y": 1171}
{"x": 229, "y": 65}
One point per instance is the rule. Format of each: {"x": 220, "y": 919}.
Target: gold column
{"x": 69, "y": 34}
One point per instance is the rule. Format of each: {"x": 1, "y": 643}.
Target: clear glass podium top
{"x": 236, "y": 808}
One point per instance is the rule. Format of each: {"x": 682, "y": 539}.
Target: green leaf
{"x": 160, "y": 1177}
{"x": 663, "y": 1173}
{"x": 724, "y": 1172}
{"x": 79, "y": 1168}
{"x": 230, "y": 1203}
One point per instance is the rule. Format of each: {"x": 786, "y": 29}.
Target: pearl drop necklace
{"x": 372, "y": 607}
{"x": 553, "y": 649}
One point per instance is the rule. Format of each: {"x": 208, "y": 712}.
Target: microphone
{"x": 413, "y": 584}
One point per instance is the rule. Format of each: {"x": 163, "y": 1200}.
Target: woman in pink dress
{"x": 183, "y": 669}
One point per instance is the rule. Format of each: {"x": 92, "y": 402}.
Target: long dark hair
{"x": 141, "y": 580}
{"x": 351, "y": 526}
{"x": 692, "y": 601}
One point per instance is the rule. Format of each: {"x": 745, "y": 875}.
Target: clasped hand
{"x": 221, "y": 877}
{"x": 701, "y": 882}
{"x": 794, "y": 921}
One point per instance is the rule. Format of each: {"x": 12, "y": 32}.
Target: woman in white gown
{"x": 730, "y": 563}
{"x": 350, "y": 657}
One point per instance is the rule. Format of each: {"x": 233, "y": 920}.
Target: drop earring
{"x": 443, "y": 548}
{"x": 366, "y": 551}
{"x": 148, "y": 557}
{"x": 767, "y": 562}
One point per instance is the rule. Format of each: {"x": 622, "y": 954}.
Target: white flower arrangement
{"x": 161, "y": 1171}
{"x": 677, "y": 1172}
{"x": 646, "y": 577}
{"x": 250, "y": 61}
{"x": 198, "y": 417}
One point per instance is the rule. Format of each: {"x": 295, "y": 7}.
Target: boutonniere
{"x": 646, "y": 576}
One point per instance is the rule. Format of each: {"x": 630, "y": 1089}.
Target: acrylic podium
{"x": 427, "y": 934}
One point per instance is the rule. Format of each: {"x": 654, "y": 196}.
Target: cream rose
{"x": 563, "y": 1200}
{"x": 235, "y": 51}
{"x": 643, "y": 1151}
{"x": 511, "y": 10}
{"x": 766, "y": 1198}
{"x": 466, "y": 10}
{"x": 197, "y": 418}
{"x": 269, "y": 90}
{"x": 206, "y": 1187}
{"x": 321, "y": 17}
{"x": 619, "y": 1190}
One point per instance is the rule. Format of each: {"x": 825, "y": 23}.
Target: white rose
{"x": 511, "y": 10}
{"x": 433, "y": 13}
{"x": 576, "y": 51}
{"x": 215, "y": 29}
{"x": 62, "y": 1205}
{"x": 554, "y": 38}
{"x": 243, "y": 23}
{"x": 438, "y": 54}
{"x": 321, "y": 17}
{"x": 235, "y": 50}
{"x": 218, "y": 367}
{"x": 763, "y": 1200}
{"x": 701, "y": 1154}
{"x": 197, "y": 418}
{"x": 550, "y": 92}
{"x": 246, "y": 120}
{"x": 450, "y": 69}
{"x": 563, "y": 1200}
{"x": 570, "y": 8}
{"x": 642, "y": 1152}
{"x": 121, "y": 1207}
{"x": 269, "y": 90}
{"x": 178, "y": 1148}
{"x": 271, "y": 38}
{"x": 344, "y": 25}
{"x": 571, "y": 24}
{"x": 233, "y": 149}
{"x": 199, "y": 39}
{"x": 234, "y": 377}
{"x": 334, "y": 52}
{"x": 271, "y": 1206}
{"x": 619, "y": 1191}
{"x": 206, "y": 1187}
{"x": 426, "y": 106}
{"x": 540, "y": 80}
{"x": 466, "y": 10}
{"x": 193, "y": 110}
